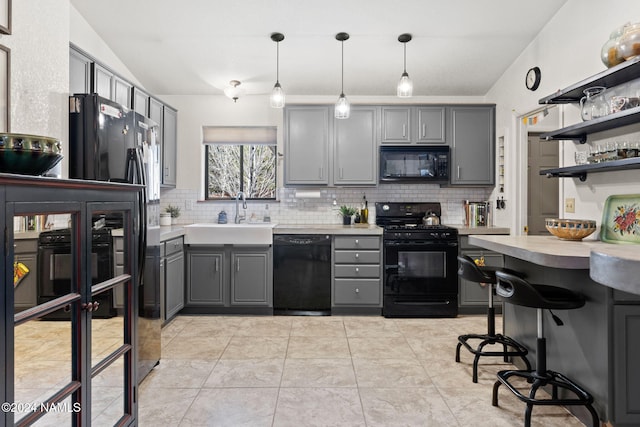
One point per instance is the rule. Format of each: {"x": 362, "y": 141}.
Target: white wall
{"x": 39, "y": 79}
{"x": 567, "y": 51}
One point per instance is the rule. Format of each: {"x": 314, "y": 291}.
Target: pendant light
{"x": 342, "y": 108}
{"x": 277, "y": 94}
{"x": 405, "y": 85}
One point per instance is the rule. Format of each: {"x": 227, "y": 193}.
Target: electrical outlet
{"x": 570, "y": 205}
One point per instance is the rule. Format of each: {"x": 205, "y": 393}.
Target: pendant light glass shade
{"x": 342, "y": 109}
{"x": 277, "y": 94}
{"x": 405, "y": 85}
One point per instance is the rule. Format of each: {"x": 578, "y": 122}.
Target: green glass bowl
{"x": 28, "y": 154}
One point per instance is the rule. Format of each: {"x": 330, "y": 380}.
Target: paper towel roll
{"x": 307, "y": 194}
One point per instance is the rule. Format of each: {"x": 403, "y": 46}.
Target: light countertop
{"x": 327, "y": 229}
{"x": 463, "y": 230}
{"x": 171, "y": 232}
{"x": 613, "y": 265}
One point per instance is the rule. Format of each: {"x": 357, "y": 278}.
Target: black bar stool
{"x": 468, "y": 270}
{"x": 518, "y": 291}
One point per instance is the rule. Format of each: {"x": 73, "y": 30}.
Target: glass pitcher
{"x": 593, "y": 104}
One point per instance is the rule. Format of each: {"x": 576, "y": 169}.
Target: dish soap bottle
{"x": 266, "y": 217}
{"x": 364, "y": 212}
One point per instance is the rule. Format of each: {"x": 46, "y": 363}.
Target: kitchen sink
{"x": 229, "y": 234}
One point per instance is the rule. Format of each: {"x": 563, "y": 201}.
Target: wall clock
{"x": 532, "y": 79}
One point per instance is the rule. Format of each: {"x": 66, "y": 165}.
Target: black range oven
{"x": 420, "y": 262}
{"x": 55, "y": 269}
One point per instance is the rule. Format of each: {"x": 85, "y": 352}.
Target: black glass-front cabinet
{"x": 69, "y": 343}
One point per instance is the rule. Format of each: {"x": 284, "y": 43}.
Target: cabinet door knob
{"x": 357, "y": 290}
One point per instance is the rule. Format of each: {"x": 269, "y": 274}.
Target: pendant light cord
{"x": 405, "y": 57}
{"x": 342, "y": 71}
{"x": 278, "y": 62}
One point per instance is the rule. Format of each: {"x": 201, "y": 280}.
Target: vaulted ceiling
{"x": 459, "y": 47}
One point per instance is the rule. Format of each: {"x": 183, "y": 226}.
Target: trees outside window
{"x": 248, "y": 168}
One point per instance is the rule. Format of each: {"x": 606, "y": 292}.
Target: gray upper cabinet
{"x": 79, "y": 72}
{"x": 169, "y": 146}
{"x": 472, "y": 140}
{"x": 102, "y": 81}
{"x": 355, "y": 149}
{"x": 307, "y": 132}
{"x": 431, "y": 125}
{"x": 140, "y": 102}
{"x": 413, "y": 124}
{"x": 396, "y": 125}
{"x": 122, "y": 91}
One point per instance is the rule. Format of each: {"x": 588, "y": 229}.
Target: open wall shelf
{"x": 581, "y": 171}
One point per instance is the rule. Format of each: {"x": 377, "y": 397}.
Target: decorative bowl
{"x": 28, "y": 154}
{"x": 570, "y": 229}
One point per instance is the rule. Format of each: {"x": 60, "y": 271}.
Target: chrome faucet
{"x": 239, "y": 218}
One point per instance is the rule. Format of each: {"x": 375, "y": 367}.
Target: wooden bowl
{"x": 570, "y": 229}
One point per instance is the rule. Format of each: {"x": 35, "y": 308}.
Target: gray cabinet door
{"x": 626, "y": 369}
{"x": 307, "y": 133}
{"x": 205, "y": 278}
{"x": 174, "y": 283}
{"x": 79, "y": 72}
{"x": 431, "y": 125}
{"x": 472, "y": 145}
{"x": 356, "y": 150}
{"x": 396, "y": 125}
{"x": 121, "y": 91}
{"x": 169, "y": 146}
{"x": 156, "y": 113}
{"x": 251, "y": 278}
{"x": 102, "y": 81}
{"x": 140, "y": 102}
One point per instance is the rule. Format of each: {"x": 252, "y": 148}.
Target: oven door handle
{"x": 424, "y": 244}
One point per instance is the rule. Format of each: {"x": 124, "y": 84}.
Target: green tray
{"x": 621, "y": 219}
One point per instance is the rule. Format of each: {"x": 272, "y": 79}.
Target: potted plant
{"x": 174, "y": 211}
{"x": 347, "y": 212}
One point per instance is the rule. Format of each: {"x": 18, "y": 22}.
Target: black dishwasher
{"x": 302, "y": 274}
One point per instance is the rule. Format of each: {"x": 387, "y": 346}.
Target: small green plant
{"x": 347, "y": 210}
{"x": 173, "y": 210}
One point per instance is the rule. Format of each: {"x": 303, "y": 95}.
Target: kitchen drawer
{"x": 25, "y": 246}
{"x": 174, "y": 246}
{"x": 357, "y": 257}
{"x": 357, "y": 242}
{"x": 350, "y": 270}
{"x": 357, "y": 292}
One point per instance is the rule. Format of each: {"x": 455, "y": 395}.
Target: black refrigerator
{"x": 110, "y": 142}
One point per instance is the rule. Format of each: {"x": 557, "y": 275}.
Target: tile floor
{"x": 326, "y": 371}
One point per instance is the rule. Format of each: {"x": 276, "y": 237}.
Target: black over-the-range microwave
{"x": 414, "y": 163}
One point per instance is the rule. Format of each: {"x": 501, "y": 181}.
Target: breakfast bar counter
{"x": 598, "y": 344}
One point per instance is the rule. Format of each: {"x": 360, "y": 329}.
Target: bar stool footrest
{"x": 517, "y": 349}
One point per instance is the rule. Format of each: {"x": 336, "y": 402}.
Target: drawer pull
{"x": 357, "y": 242}
{"x": 357, "y": 255}
{"x": 357, "y": 269}
{"x": 357, "y": 291}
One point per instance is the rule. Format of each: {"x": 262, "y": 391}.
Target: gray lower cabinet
{"x": 174, "y": 277}
{"x": 228, "y": 279}
{"x": 251, "y": 281}
{"x": 626, "y": 369}
{"x": 474, "y": 298}
{"x": 26, "y": 293}
{"x": 118, "y": 248}
{"x": 357, "y": 273}
{"x": 206, "y": 277}
{"x": 472, "y": 141}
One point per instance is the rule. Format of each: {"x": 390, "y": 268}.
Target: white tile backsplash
{"x": 290, "y": 209}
